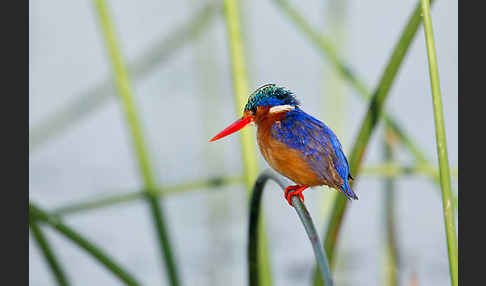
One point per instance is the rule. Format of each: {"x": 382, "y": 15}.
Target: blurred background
{"x": 179, "y": 67}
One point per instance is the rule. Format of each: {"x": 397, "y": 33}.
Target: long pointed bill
{"x": 235, "y": 126}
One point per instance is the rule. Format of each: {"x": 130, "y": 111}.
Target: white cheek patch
{"x": 281, "y": 108}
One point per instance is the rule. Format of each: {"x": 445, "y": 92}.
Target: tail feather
{"x": 350, "y": 194}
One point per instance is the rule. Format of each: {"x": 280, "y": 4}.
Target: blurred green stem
{"x": 124, "y": 91}
{"x": 37, "y": 214}
{"x": 334, "y": 89}
{"x": 440, "y": 136}
{"x": 94, "y": 98}
{"x": 247, "y": 139}
{"x": 240, "y": 86}
{"x": 253, "y": 230}
{"x": 90, "y": 204}
{"x": 391, "y": 248}
{"x": 46, "y": 249}
{"x": 394, "y": 169}
{"x": 367, "y": 127}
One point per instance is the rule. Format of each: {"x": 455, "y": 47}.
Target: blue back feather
{"x": 316, "y": 142}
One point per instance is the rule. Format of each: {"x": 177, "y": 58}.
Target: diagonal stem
{"x": 46, "y": 249}
{"x": 125, "y": 93}
{"x": 40, "y": 215}
{"x": 96, "y": 97}
{"x": 97, "y": 202}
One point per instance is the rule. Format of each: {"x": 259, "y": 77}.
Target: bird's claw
{"x": 294, "y": 191}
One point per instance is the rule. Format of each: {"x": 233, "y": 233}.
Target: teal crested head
{"x": 270, "y": 95}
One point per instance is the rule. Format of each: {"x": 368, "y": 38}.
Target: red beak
{"x": 235, "y": 126}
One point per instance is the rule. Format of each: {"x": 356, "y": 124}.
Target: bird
{"x": 295, "y": 144}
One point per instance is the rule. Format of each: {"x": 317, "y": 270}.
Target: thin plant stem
{"x": 253, "y": 241}
{"x": 125, "y": 93}
{"x": 247, "y": 139}
{"x": 49, "y": 255}
{"x": 395, "y": 169}
{"x": 240, "y": 86}
{"x": 97, "y": 203}
{"x": 42, "y": 216}
{"x": 440, "y": 136}
{"x": 391, "y": 247}
{"x": 94, "y": 98}
{"x": 334, "y": 92}
{"x": 367, "y": 127}
{"x": 218, "y": 210}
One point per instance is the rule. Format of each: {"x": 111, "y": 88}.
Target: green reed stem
{"x": 96, "y": 97}
{"x": 367, "y": 127}
{"x": 49, "y": 255}
{"x": 38, "y": 214}
{"x": 240, "y": 85}
{"x": 394, "y": 169}
{"x": 96, "y": 203}
{"x": 253, "y": 230}
{"x": 124, "y": 91}
{"x": 247, "y": 139}
{"x": 391, "y": 247}
{"x": 334, "y": 89}
{"x": 445, "y": 178}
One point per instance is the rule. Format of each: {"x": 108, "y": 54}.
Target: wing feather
{"x": 318, "y": 145}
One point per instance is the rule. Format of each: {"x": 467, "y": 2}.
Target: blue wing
{"x": 319, "y": 146}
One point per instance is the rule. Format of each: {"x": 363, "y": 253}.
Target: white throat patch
{"x": 281, "y": 108}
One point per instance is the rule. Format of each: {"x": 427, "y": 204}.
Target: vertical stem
{"x": 333, "y": 86}
{"x": 240, "y": 86}
{"x": 445, "y": 178}
{"x": 391, "y": 249}
{"x": 247, "y": 139}
{"x": 217, "y": 207}
{"x": 125, "y": 93}
{"x": 47, "y": 252}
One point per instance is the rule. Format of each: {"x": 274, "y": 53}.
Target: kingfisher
{"x": 295, "y": 144}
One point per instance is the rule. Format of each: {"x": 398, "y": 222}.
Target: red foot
{"x": 298, "y": 191}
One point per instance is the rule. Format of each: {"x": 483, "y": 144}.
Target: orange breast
{"x": 285, "y": 160}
